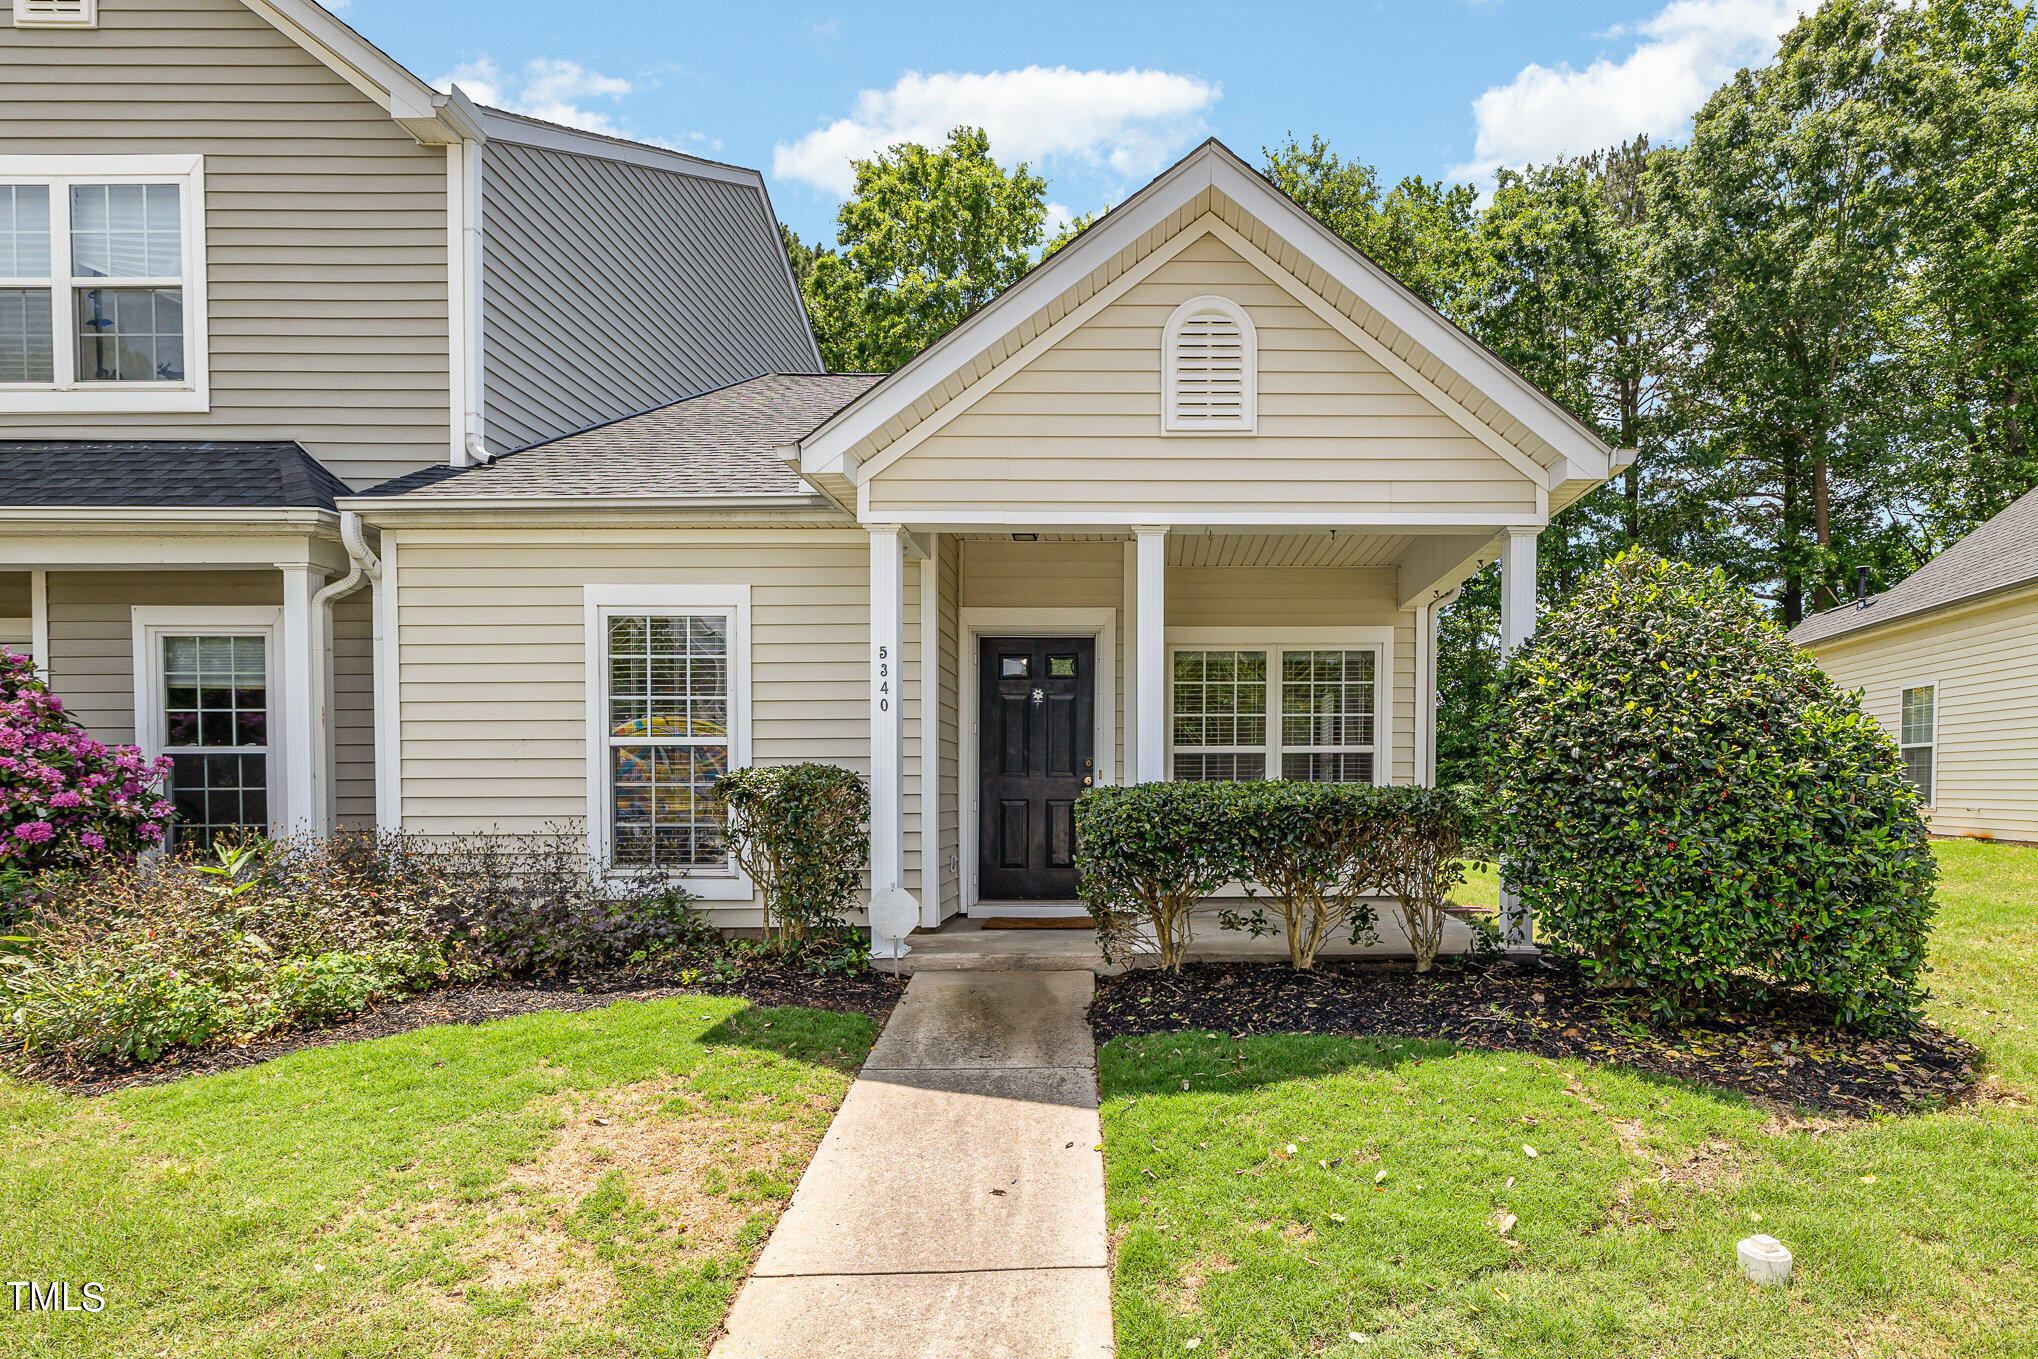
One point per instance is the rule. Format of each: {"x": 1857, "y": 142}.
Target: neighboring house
{"x": 1182, "y": 503}
{"x": 247, "y": 263}
{"x": 1947, "y": 661}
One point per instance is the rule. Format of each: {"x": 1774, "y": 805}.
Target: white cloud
{"x": 1681, "y": 54}
{"x": 1135, "y": 122}
{"x": 551, "y": 88}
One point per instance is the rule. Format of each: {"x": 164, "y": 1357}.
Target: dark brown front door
{"x": 1036, "y": 728}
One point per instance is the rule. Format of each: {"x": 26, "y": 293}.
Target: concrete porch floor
{"x": 962, "y": 944}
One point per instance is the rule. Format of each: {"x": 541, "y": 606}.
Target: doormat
{"x": 1029, "y": 922}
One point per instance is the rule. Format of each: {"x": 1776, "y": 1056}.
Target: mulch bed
{"x": 1782, "y": 1054}
{"x": 872, "y": 993}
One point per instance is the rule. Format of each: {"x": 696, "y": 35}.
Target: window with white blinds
{"x": 56, "y": 13}
{"x": 1918, "y": 737}
{"x": 1211, "y": 364}
{"x": 1224, "y": 702}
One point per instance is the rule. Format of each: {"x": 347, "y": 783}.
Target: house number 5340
{"x": 884, "y": 679}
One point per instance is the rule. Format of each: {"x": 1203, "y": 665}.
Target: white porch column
{"x": 930, "y": 733}
{"x": 1517, "y": 621}
{"x": 1151, "y": 653}
{"x": 299, "y": 736}
{"x": 39, "y": 622}
{"x": 893, "y": 911}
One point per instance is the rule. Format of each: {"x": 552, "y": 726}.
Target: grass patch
{"x": 587, "y": 1183}
{"x": 1914, "y": 1236}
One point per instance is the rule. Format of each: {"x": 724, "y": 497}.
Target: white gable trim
{"x": 1538, "y": 476}
{"x": 1210, "y": 166}
{"x": 434, "y": 119}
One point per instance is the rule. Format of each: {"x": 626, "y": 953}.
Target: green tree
{"x": 928, "y": 237}
{"x": 1780, "y": 246}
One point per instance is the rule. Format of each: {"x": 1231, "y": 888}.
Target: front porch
{"x": 1012, "y": 669}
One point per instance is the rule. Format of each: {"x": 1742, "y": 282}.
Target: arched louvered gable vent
{"x": 1211, "y": 363}
{"x": 56, "y": 13}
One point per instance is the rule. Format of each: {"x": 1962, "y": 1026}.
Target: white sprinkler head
{"x": 1764, "y": 1260}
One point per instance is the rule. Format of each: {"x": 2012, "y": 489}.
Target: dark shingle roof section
{"x": 721, "y": 443}
{"x": 2000, "y": 555}
{"x": 164, "y": 474}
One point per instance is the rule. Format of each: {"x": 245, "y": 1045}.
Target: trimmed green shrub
{"x": 1147, "y": 855}
{"x": 1691, "y": 806}
{"x": 1316, "y": 849}
{"x": 801, "y": 831}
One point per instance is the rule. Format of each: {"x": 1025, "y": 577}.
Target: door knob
{"x": 1086, "y": 780}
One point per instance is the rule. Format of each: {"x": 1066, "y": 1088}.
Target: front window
{"x": 215, "y": 725}
{"x": 669, "y": 738}
{"x": 99, "y": 299}
{"x": 1326, "y": 700}
{"x": 1919, "y": 737}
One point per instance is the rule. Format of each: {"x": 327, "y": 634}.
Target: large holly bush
{"x": 65, "y": 797}
{"x": 1691, "y": 806}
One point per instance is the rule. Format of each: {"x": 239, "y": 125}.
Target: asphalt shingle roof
{"x": 165, "y": 474}
{"x": 2000, "y": 555}
{"x": 721, "y": 443}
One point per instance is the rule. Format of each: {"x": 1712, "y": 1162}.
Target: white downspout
{"x": 464, "y": 300}
{"x": 364, "y": 566}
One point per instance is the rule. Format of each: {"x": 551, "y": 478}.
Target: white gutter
{"x": 365, "y": 566}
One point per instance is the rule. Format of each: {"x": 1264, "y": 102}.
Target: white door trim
{"x": 974, "y": 624}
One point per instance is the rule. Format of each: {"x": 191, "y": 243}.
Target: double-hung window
{"x": 1918, "y": 737}
{"x": 204, "y": 698}
{"x": 102, "y": 295}
{"x": 669, "y": 697}
{"x": 1310, "y": 712}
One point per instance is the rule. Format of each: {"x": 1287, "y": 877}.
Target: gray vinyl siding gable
{"x": 325, "y": 227}
{"x": 610, "y": 288}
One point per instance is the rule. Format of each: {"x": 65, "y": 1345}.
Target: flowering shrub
{"x": 63, "y": 795}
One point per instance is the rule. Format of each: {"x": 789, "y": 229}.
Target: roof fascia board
{"x": 433, "y": 118}
{"x": 1121, "y": 227}
{"x": 1019, "y": 358}
{"x": 1881, "y": 630}
{"x": 222, "y": 518}
{"x": 418, "y": 504}
{"x": 1415, "y": 318}
{"x": 503, "y": 126}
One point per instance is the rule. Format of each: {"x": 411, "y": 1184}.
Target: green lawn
{"x": 587, "y": 1184}
{"x": 1914, "y": 1236}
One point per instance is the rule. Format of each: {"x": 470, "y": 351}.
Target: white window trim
{"x": 732, "y": 601}
{"x": 153, "y": 622}
{"x": 66, "y": 395}
{"x": 86, "y": 17}
{"x": 1932, "y": 793}
{"x": 1377, "y": 639}
{"x": 1249, "y": 371}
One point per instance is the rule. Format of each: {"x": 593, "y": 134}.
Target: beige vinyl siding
{"x": 92, "y": 659}
{"x": 610, "y": 288}
{"x": 1079, "y": 426}
{"x": 325, "y": 226}
{"x": 17, "y": 625}
{"x": 1274, "y": 598}
{"x": 493, "y": 700}
{"x": 1984, "y": 661}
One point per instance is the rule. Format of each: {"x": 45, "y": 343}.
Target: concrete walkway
{"x": 955, "y": 1209}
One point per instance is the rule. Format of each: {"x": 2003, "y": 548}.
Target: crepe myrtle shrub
{"x": 1148, "y": 854}
{"x": 802, "y": 833}
{"x": 1689, "y": 805}
{"x": 65, "y": 797}
{"x": 1316, "y": 850}
{"x": 1421, "y": 842}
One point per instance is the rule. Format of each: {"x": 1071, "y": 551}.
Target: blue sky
{"x": 1098, "y": 96}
